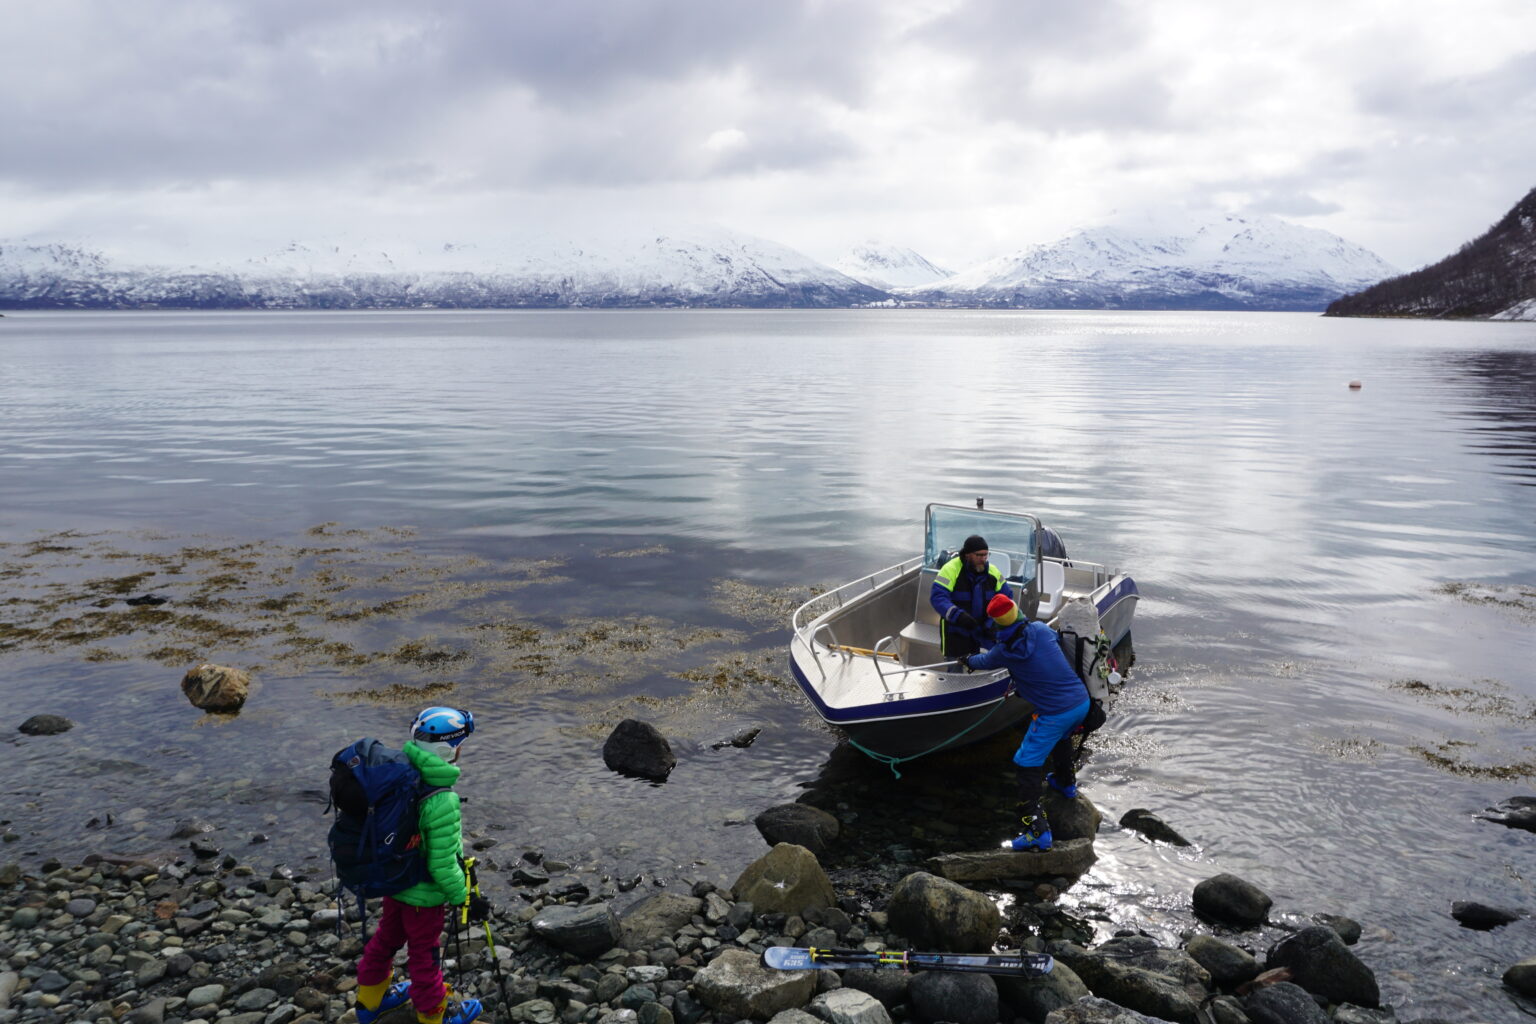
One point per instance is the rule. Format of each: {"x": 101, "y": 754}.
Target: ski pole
{"x": 472, "y": 877}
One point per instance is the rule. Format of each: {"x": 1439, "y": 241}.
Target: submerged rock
{"x": 216, "y": 687}
{"x": 1480, "y": 916}
{"x": 1516, "y": 812}
{"x": 637, "y": 748}
{"x": 1231, "y": 900}
{"x": 1139, "y": 819}
{"x": 45, "y": 725}
{"x": 1522, "y": 977}
{"x": 800, "y": 824}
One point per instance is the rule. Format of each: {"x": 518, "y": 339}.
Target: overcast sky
{"x": 965, "y": 129}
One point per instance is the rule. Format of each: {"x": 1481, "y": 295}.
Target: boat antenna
{"x": 981, "y": 502}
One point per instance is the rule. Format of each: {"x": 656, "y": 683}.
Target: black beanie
{"x": 973, "y": 543}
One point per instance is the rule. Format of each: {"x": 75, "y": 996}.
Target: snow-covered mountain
{"x": 885, "y": 266}
{"x": 1147, "y": 262}
{"x": 702, "y": 267}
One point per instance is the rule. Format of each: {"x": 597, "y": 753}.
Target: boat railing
{"x": 876, "y": 653}
{"x": 834, "y": 599}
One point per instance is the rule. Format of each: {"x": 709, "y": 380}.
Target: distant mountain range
{"x": 1491, "y": 277}
{"x": 1214, "y": 263}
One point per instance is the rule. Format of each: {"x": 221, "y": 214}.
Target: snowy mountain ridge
{"x": 886, "y": 266}
{"x": 1223, "y": 262}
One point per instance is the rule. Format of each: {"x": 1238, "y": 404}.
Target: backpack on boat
{"x": 375, "y": 842}
{"x": 1087, "y": 651}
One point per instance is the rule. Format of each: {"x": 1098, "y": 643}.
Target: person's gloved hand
{"x": 479, "y": 908}
{"x": 965, "y": 620}
{"x": 965, "y": 662}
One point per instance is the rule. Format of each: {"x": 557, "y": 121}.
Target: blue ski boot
{"x": 1036, "y": 835}
{"x": 394, "y": 996}
{"x": 454, "y": 1011}
{"x": 1069, "y": 790}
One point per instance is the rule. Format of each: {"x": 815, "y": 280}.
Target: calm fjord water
{"x": 542, "y": 507}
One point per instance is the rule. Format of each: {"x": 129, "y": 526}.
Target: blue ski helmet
{"x": 441, "y": 730}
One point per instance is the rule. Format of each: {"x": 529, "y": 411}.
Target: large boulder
{"x": 216, "y": 687}
{"x": 935, "y": 913}
{"x": 786, "y": 880}
{"x": 658, "y": 917}
{"x": 1071, "y": 858}
{"x": 736, "y": 985}
{"x": 1070, "y": 818}
{"x": 637, "y": 748}
{"x": 1229, "y": 966}
{"x": 961, "y": 998}
{"x": 800, "y": 824}
{"x": 1283, "y": 1003}
{"x": 1092, "y": 1010}
{"x": 849, "y": 1006}
{"x": 584, "y": 931}
{"x": 1033, "y": 998}
{"x": 1320, "y": 963}
{"x": 45, "y": 725}
{"x": 1228, "y": 899}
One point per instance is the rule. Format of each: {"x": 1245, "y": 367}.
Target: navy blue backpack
{"x": 375, "y": 841}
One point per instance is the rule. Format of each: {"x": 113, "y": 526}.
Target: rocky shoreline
{"x": 207, "y": 938}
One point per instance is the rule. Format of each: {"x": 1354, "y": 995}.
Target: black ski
{"x": 797, "y": 958}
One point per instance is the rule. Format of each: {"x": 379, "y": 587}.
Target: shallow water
{"x": 578, "y": 517}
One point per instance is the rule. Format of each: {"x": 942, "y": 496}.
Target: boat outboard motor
{"x": 1051, "y": 544}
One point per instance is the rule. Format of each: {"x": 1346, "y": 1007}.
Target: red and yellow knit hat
{"x": 1002, "y": 610}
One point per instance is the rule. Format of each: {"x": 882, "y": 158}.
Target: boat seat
{"x": 1053, "y": 588}
{"x": 918, "y": 643}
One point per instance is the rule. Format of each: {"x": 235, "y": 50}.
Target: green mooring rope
{"x": 891, "y": 761}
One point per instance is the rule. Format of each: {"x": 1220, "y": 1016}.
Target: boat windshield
{"x": 1009, "y": 534}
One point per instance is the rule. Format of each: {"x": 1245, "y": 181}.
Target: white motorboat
{"x": 867, "y": 653}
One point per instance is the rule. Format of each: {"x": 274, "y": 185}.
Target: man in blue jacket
{"x": 1041, "y": 674}
{"x": 960, "y": 593}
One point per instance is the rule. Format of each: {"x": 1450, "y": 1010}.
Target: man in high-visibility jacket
{"x": 960, "y": 593}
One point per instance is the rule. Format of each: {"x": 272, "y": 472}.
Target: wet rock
{"x": 1229, "y": 966}
{"x": 935, "y": 913}
{"x": 1227, "y": 1010}
{"x": 850, "y": 1006}
{"x": 737, "y": 985}
{"x": 45, "y": 725}
{"x": 1320, "y": 963}
{"x": 1069, "y": 858}
{"x": 1480, "y": 916}
{"x": 890, "y": 987}
{"x": 1348, "y": 928}
{"x": 1348, "y": 1013}
{"x": 1139, "y": 819}
{"x": 216, "y": 687}
{"x": 658, "y": 917}
{"x": 637, "y": 748}
{"x": 794, "y": 1017}
{"x": 742, "y": 739}
{"x": 800, "y": 824}
{"x": 1093, "y": 1010}
{"x": 584, "y": 931}
{"x": 1075, "y": 818}
{"x": 1283, "y": 1003}
{"x": 787, "y": 879}
{"x": 1516, "y": 812}
{"x": 962, "y": 998}
{"x": 204, "y": 847}
{"x": 1035, "y": 997}
{"x": 1136, "y": 974}
{"x": 1522, "y": 977}
{"x": 1231, "y": 900}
